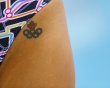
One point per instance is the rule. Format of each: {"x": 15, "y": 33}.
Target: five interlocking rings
{"x": 32, "y": 33}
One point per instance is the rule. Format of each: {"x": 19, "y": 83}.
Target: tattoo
{"x": 32, "y": 31}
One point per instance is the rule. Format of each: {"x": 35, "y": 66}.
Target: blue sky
{"x": 89, "y": 29}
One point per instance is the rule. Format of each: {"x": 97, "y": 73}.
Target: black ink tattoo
{"x": 32, "y": 31}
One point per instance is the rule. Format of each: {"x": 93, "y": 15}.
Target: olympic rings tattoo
{"x": 32, "y": 31}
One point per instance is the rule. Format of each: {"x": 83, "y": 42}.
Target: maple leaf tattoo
{"x": 32, "y": 31}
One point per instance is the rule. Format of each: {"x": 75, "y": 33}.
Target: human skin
{"x": 43, "y": 62}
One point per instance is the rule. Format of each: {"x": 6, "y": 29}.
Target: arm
{"x": 43, "y": 62}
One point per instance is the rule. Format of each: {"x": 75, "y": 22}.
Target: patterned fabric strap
{"x": 14, "y": 14}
